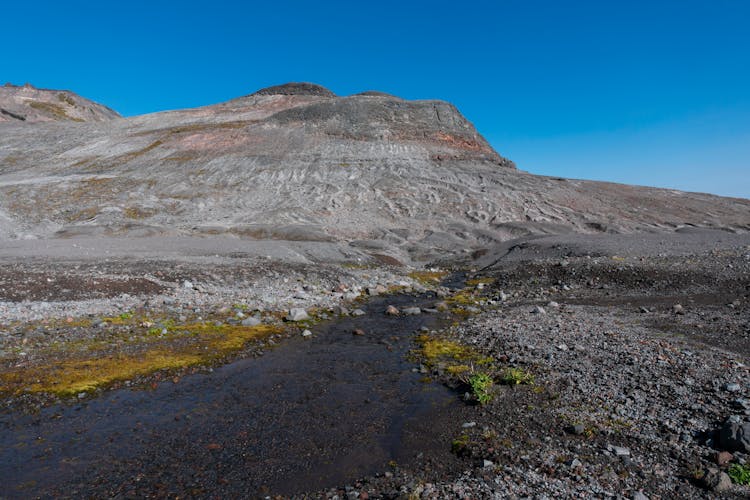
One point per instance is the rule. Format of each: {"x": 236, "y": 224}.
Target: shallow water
{"x": 310, "y": 414}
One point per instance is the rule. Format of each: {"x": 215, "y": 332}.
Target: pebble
{"x": 188, "y": 285}
{"x": 297, "y": 314}
{"x": 734, "y": 435}
{"x": 578, "y": 429}
{"x": 468, "y": 425}
{"x": 306, "y": 333}
{"x": 723, "y": 458}
{"x": 358, "y": 312}
{"x": 619, "y": 451}
{"x": 359, "y": 332}
{"x": 733, "y": 387}
{"x": 678, "y": 309}
{"x": 251, "y": 321}
{"x": 411, "y": 311}
{"x": 538, "y": 310}
{"x": 391, "y": 310}
{"x": 715, "y": 480}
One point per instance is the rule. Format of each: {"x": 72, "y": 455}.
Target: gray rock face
{"x": 295, "y": 162}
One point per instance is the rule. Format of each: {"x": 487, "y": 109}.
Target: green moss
{"x": 428, "y": 277}
{"x": 517, "y": 376}
{"x": 477, "y": 281}
{"x": 460, "y": 445}
{"x": 84, "y": 368}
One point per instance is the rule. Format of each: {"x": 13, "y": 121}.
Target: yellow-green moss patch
{"x": 70, "y": 369}
{"x": 480, "y": 281}
{"x": 428, "y": 277}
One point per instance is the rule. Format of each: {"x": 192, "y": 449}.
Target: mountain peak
{"x": 296, "y": 88}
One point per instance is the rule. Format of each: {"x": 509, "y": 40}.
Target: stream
{"x": 310, "y": 414}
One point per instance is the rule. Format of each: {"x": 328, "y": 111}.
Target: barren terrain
{"x": 304, "y": 295}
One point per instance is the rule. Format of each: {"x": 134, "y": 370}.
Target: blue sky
{"x": 642, "y": 92}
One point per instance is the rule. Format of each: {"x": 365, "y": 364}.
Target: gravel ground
{"x": 637, "y": 363}
{"x": 636, "y": 360}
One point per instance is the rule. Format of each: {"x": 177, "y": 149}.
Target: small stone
{"x": 715, "y": 480}
{"x": 735, "y": 435}
{"x": 487, "y": 463}
{"x": 340, "y": 311}
{"x": 644, "y": 309}
{"x": 188, "y": 285}
{"x": 538, "y": 310}
{"x": 306, "y": 333}
{"x": 391, "y": 310}
{"x": 562, "y": 347}
{"x": 574, "y": 463}
{"x": 411, "y": 311}
{"x": 733, "y": 387}
{"x": 577, "y": 429}
{"x": 468, "y": 425}
{"x": 251, "y": 321}
{"x": 297, "y": 314}
{"x": 358, "y": 332}
{"x": 678, "y": 309}
{"x": 554, "y": 305}
{"x": 619, "y": 451}
{"x": 81, "y": 395}
{"x": 723, "y": 458}
{"x": 358, "y": 312}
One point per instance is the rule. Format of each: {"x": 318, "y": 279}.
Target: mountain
{"x": 297, "y": 162}
{"x": 29, "y": 104}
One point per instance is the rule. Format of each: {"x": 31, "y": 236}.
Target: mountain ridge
{"x": 26, "y": 103}
{"x": 297, "y": 162}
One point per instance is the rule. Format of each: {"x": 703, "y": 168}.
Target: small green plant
{"x": 125, "y": 316}
{"x": 460, "y": 445}
{"x": 517, "y": 376}
{"x": 481, "y": 384}
{"x": 740, "y": 474}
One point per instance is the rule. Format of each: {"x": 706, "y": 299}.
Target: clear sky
{"x": 643, "y": 92}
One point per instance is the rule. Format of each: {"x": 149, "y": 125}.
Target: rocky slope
{"x": 29, "y": 104}
{"x": 295, "y": 162}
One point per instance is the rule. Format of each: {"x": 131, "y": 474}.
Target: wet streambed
{"x": 310, "y": 414}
